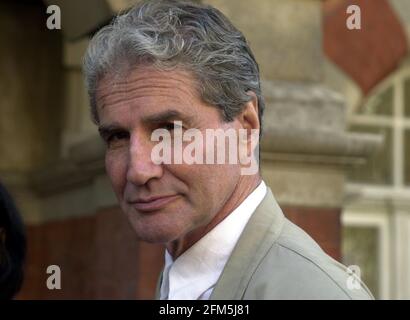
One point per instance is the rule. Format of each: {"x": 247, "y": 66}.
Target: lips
{"x": 153, "y": 203}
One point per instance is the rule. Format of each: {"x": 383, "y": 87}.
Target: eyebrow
{"x": 106, "y": 130}
{"x": 168, "y": 115}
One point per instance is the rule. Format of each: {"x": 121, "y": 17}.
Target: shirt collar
{"x": 199, "y": 268}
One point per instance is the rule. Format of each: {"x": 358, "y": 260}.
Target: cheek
{"x": 207, "y": 183}
{"x": 116, "y": 167}
{"x": 221, "y": 180}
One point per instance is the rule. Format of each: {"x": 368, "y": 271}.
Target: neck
{"x": 246, "y": 186}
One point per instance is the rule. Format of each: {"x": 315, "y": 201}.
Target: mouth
{"x": 154, "y": 203}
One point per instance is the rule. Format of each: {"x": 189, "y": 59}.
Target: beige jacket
{"x": 275, "y": 259}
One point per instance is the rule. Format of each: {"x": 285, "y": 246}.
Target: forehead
{"x": 147, "y": 90}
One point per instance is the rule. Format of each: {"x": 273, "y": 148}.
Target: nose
{"x": 141, "y": 168}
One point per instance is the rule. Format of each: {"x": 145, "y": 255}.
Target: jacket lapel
{"x": 262, "y": 230}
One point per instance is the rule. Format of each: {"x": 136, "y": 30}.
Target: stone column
{"x": 305, "y": 148}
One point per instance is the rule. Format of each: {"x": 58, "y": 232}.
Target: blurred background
{"x": 335, "y": 152}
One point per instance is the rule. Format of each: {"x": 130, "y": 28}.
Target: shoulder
{"x": 295, "y": 267}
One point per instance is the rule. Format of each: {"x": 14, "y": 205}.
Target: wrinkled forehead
{"x": 145, "y": 81}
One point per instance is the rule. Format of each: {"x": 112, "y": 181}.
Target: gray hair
{"x": 170, "y": 33}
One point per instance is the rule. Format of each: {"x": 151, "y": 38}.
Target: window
{"x": 407, "y": 157}
{"x": 366, "y": 244}
{"x": 378, "y": 169}
{"x": 407, "y": 98}
{"x": 360, "y": 247}
{"x": 381, "y": 104}
{"x": 376, "y": 117}
{"x": 386, "y": 112}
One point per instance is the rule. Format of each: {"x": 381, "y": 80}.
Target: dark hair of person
{"x": 12, "y": 247}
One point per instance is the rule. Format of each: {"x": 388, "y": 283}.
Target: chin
{"x": 152, "y": 231}
{"x": 156, "y": 236}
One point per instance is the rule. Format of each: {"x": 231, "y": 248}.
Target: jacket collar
{"x": 260, "y": 233}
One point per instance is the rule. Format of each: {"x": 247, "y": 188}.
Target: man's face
{"x": 167, "y": 201}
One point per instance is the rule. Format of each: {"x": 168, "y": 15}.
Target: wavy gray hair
{"x": 168, "y": 34}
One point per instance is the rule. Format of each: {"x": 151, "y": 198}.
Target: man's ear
{"x": 249, "y": 121}
{"x": 249, "y": 116}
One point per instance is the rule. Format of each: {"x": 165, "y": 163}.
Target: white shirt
{"x": 193, "y": 274}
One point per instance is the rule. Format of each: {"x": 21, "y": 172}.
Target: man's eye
{"x": 117, "y": 137}
{"x": 170, "y": 126}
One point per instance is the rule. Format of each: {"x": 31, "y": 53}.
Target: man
{"x": 174, "y": 67}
